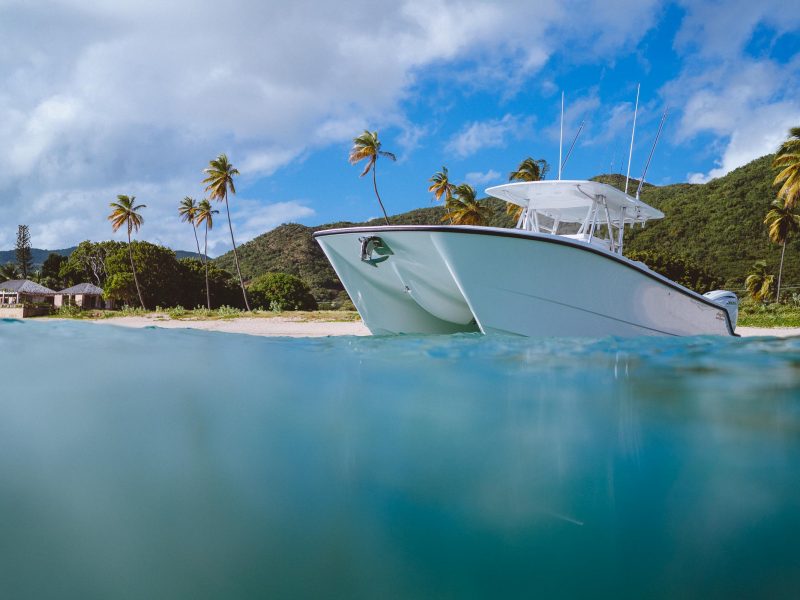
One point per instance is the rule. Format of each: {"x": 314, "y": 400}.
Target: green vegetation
{"x": 756, "y": 314}
{"x": 219, "y": 181}
{"x": 125, "y": 212}
{"x": 367, "y": 147}
{"x": 203, "y": 314}
{"x": 205, "y": 216}
{"x": 281, "y": 291}
{"x": 465, "y": 209}
{"x": 23, "y": 251}
{"x": 719, "y": 224}
{"x": 528, "y": 170}
{"x": 787, "y": 161}
{"x": 678, "y": 268}
{"x": 441, "y": 187}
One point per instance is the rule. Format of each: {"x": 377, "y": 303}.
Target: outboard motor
{"x": 728, "y": 300}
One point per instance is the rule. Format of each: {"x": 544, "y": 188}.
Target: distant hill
{"x": 39, "y": 255}
{"x": 718, "y": 224}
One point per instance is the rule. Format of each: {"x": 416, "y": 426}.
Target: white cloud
{"x": 746, "y": 104}
{"x": 136, "y": 96}
{"x": 255, "y": 218}
{"x": 492, "y": 133}
{"x": 477, "y": 178}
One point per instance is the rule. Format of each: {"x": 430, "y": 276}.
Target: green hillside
{"x": 718, "y": 225}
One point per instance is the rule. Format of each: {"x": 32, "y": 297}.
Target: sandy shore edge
{"x": 264, "y": 326}
{"x": 283, "y": 327}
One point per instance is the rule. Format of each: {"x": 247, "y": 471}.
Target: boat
{"x": 560, "y": 272}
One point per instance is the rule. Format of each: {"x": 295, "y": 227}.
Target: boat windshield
{"x": 589, "y": 211}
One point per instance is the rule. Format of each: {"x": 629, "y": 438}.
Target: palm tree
{"x": 441, "y": 186}
{"x": 783, "y": 222}
{"x": 788, "y": 160}
{"x": 205, "y": 215}
{"x": 759, "y": 283}
{"x": 126, "y": 213}
{"x": 219, "y": 178}
{"x": 466, "y": 210}
{"x": 367, "y": 146}
{"x": 528, "y": 170}
{"x": 188, "y": 212}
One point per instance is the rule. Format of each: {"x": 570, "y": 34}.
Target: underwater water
{"x": 177, "y": 463}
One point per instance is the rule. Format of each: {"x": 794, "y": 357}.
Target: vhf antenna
{"x": 561, "y": 139}
{"x": 569, "y": 152}
{"x": 633, "y": 133}
{"x": 653, "y": 149}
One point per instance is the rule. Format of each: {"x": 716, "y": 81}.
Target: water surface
{"x": 169, "y": 463}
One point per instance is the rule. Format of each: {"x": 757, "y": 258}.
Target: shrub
{"x": 679, "y": 269}
{"x": 281, "y": 291}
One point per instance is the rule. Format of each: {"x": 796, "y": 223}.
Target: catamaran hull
{"x": 428, "y": 279}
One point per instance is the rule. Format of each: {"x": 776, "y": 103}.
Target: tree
{"x": 8, "y": 272}
{"x": 367, "y": 147}
{"x": 679, "y": 268}
{"x": 466, "y": 210}
{"x": 88, "y": 263}
{"x": 205, "y": 216}
{"x": 528, "y": 170}
{"x": 126, "y": 213}
{"x": 51, "y": 270}
{"x": 441, "y": 187}
{"x": 787, "y": 159}
{"x": 202, "y": 281}
{"x": 782, "y": 222}
{"x": 157, "y": 271}
{"x": 23, "y": 251}
{"x": 759, "y": 283}
{"x": 219, "y": 180}
{"x": 281, "y": 291}
{"x": 188, "y": 212}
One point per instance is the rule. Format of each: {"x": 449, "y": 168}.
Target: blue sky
{"x": 103, "y": 100}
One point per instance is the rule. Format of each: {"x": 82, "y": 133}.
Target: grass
{"x": 752, "y": 314}
{"x": 203, "y": 314}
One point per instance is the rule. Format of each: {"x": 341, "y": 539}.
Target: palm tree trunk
{"x": 196, "y": 241}
{"x": 780, "y": 272}
{"x": 205, "y": 263}
{"x": 235, "y": 254}
{"x": 375, "y": 185}
{"x": 133, "y": 268}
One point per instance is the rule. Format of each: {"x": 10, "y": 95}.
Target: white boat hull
{"x": 446, "y": 279}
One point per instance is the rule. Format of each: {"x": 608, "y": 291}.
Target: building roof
{"x": 25, "y": 286}
{"x": 86, "y": 289}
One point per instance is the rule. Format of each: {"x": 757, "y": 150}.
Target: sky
{"x": 135, "y": 97}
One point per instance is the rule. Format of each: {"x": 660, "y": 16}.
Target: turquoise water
{"x": 167, "y": 464}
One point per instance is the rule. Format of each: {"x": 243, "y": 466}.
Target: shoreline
{"x": 280, "y": 326}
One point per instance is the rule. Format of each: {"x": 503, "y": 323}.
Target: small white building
{"x": 84, "y": 295}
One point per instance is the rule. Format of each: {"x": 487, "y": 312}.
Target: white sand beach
{"x": 287, "y": 327}
{"x": 265, "y": 326}
{"x": 782, "y": 332}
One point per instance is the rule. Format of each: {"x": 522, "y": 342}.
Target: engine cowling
{"x": 728, "y": 300}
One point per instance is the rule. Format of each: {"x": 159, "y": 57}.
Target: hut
{"x": 84, "y": 295}
{"x": 24, "y": 291}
